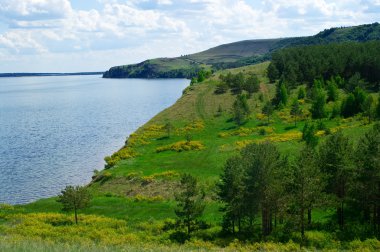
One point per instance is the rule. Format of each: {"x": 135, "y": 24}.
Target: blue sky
{"x": 93, "y": 35}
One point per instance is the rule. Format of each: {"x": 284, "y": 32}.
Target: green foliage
{"x": 336, "y": 110}
{"x": 295, "y": 110}
{"x": 308, "y": 134}
{"x": 230, "y": 192}
{"x": 281, "y": 98}
{"x": 335, "y": 159}
{"x": 262, "y": 162}
{"x": 190, "y": 203}
{"x": 348, "y": 106}
{"x": 301, "y": 93}
{"x": 202, "y": 75}
{"x": 248, "y": 186}
{"x": 221, "y": 88}
{"x": 368, "y": 107}
{"x": 332, "y": 91}
{"x": 305, "y": 186}
{"x": 74, "y": 199}
{"x": 238, "y": 83}
{"x": 318, "y": 107}
{"x": 354, "y": 102}
{"x": 273, "y": 73}
{"x": 268, "y": 110}
{"x": 303, "y": 63}
{"x": 241, "y": 109}
{"x": 354, "y": 82}
{"x": 252, "y": 84}
{"x": 367, "y": 183}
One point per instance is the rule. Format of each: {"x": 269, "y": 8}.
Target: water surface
{"x": 55, "y": 131}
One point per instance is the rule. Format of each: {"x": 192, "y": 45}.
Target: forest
{"x": 300, "y": 65}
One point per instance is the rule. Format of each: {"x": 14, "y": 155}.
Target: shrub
{"x": 182, "y": 146}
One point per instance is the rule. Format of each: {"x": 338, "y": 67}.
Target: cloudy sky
{"x": 93, "y": 35}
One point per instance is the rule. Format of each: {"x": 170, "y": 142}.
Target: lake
{"x": 55, "y": 131}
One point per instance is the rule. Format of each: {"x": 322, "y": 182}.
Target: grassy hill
{"x": 237, "y": 54}
{"x": 133, "y": 199}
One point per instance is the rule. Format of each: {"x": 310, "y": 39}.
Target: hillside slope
{"x": 237, "y": 54}
{"x": 133, "y": 198}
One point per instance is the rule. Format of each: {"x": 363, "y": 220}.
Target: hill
{"x": 237, "y": 54}
{"x": 134, "y": 197}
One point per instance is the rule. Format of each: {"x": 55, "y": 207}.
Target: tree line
{"x": 304, "y": 64}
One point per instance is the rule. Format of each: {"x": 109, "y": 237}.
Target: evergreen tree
{"x": 305, "y": 187}
{"x": 348, "y": 106}
{"x": 318, "y": 107}
{"x": 241, "y": 109}
{"x": 301, "y": 93}
{"x": 308, "y": 134}
{"x": 336, "y": 110}
{"x": 262, "y": 162}
{"x": 221, "y": 88}
{"x": 252, "y": 84}
{"x": 281, "y": 98}
{"x": 332, "y": 91}
{"x": 367, "y": 187}
{"x": 74, "y": 199}
{"x": 360, "y": 98}
{"x": 231, "y": 192}
{"x": 190, "y": 203}
{"x": 268, "y": 110}
{"x": 237, "y": 83}
{"x": 295, "y": 111}
{"x": 273, "y": 73}
{"x": 368, "y": 107}
{"x": 335, "y": 160}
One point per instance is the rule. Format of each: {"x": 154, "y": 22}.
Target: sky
{"x": 94, "y": 35}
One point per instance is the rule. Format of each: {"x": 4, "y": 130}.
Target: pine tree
{"x": 308, "y": 134}
{"x": 262, "y": 163}
{"x": 335, "y": 160}
{"x": 295, "y": 110}
{"x": 268, "y": 110}
{"x": 231, "y": 193}
{"x": 252, "y": 84}
{"x": 318, "y": 107}
{"x": 190, "y": 203}
{"x": 74, "y": 199}
{"x": 301, "y": 93}
{"x": 241, "y": 109}
{"x": 305, "y": 187}
{"x": 367, "y": 186}
{"x": 332, "y": 91}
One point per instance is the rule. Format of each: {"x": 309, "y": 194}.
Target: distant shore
{"x": 46, "y": 74}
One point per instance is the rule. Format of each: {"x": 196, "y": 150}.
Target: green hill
{"x": 237, "y": 54}
{"x": 134, "y": 197}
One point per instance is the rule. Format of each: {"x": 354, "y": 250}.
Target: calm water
{"x": 55, "y": 131}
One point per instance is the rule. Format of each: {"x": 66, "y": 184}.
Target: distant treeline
{"x": 151, "y": 71}
{"x": 305, "y": 64}
{"x": 46, "y": 74}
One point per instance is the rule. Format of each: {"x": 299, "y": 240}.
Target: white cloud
{"x": 34, "y": 9}
{"x": 164, "y": 2}
{"x": 119, "y": 31}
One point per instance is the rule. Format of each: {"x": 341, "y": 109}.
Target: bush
{"x": 182, "y": 146}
